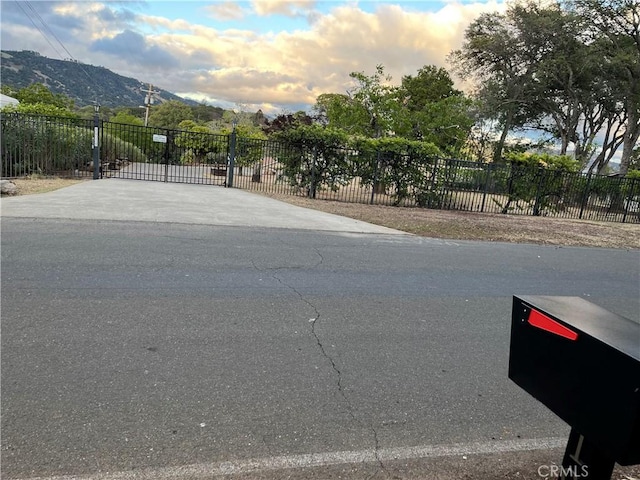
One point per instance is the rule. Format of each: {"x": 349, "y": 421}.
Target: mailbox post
{"x": 583, "y": 363}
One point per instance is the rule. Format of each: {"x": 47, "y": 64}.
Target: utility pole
{"x": 148, "y": 101}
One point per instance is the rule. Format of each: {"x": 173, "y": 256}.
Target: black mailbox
{"x": 583, "y": 363}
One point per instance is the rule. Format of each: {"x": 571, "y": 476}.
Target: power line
{"x": 55, "y": 36}
{"x": 38, "y": 28}
{"x": 34, "y": 12}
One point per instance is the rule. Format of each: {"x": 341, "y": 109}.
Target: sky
{"x": 276, "y": 55}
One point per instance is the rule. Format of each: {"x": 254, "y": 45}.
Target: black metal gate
{"x": 178, "y": 156}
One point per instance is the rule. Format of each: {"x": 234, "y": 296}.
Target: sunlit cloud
{"x": 290, "y": 8}
{"x": 279, "y": 69}
{"x": 226, "y": 11}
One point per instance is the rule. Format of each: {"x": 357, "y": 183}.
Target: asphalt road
{"x": 160, "y": 350}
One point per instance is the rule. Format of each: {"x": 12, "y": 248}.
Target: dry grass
{"x": 38, "y": 184}
{"x": 482, "y": 226}
{"x": 439, "y": 223}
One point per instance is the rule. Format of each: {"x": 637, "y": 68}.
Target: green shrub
{"x": 315, "y": 158}
{"x": 538, "y": 181}
{"x": 113, "y": 148}
{"x": 43, "y": 145}
{"x": 562, "y": 163}
{"x": 403, "y": 165}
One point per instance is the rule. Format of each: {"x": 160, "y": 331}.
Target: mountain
{"x": 79, "y": 81}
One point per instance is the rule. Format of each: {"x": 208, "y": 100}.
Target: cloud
{"x": 133, "y": 47}
{"x": 226, "y": 11}
{"x": 289, "y": 8}
{"x": 284, "y": 68}
{"x": 295, "y": 67}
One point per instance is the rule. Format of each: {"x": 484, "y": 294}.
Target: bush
{"x": 316, "y": 158}
{"x": 114, "y": 148}
{"x": 43, "y": 145}
{"x": 404, "y": 165}
{"x": 39, "y": 109}
{"x": 563, "y": 163}
{"x": 538, "y": 180}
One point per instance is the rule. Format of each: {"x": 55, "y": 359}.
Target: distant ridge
{"x": 20, "y": 69}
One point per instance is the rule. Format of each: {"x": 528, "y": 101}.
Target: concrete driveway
{"x": 131, "y": 200}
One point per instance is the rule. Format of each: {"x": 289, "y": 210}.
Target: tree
{"x": 634, "y": 164}
{"x": 39, "y": 93}
{"x": 336, "y": 110}
{"x": 169, "y": 114}
{"x": 127, "y": 119}
{"x": 203, "y": 113}
{"x": 430, "y": 85}
{"x": 437, "y": 112}
{"x": 369, "y": 109}
{"x": 376, "y": 103}
{"x": 576, "y": 99}
{"x": 491, "y": 55}
{"x": 615, "y": 32}
{"x": 8, "y": 90}
{"x": 286, "y": 121}
{"x": 198, "y": 143}
{"x": 571, "y": 72}
{"x": 563, "y": 66}
{"x": 39, "y": 109}
{"x": 37, "y": 99}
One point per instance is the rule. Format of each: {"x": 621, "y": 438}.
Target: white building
{"x": 7, "y": 100}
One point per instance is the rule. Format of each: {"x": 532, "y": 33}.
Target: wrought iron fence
{"x": 386, "y": 178}
{"x": 146, "y": 153}
{"x": 44, "y": 145}
{"x": 49, "y": 145}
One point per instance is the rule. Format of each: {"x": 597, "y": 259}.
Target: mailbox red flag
{"x": 539, "y": 320}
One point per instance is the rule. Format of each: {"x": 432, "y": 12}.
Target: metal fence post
{"x": 486, "y": 186}
{"x": 585, "y": 196}
{"x": 96, "y": 142}
{"x": 630, "y": 196}
{"x": 312, "y": 190}
{"x": 375, "y": 176}
{"x": 536, "y": 206}
{"x": 166, "y": 156}
{"x": 232, "y": 157}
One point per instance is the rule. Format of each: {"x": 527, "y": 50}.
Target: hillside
{"x": 81, "y": 82}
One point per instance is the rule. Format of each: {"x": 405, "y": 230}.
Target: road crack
{"x": 350, "y": 409}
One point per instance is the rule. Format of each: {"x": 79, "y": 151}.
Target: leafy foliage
{"x": 328, "y": 158}
{"x": 567, "y": 68}
{"x": 537, "y": 180}
{"x": 562, "y": 163}
{"x": 39, "y": 109}
{"x": 403, "y": 165}
{"x": 114, "y": 148}
{"x": 287, "y": 121}
{"x": 43, "y": 145}
{"x": 169, "y": 115}
{"x": 37, "y": 99}
{"x": 38, "y": 93}
{"x": 315, "y": 158}
{"x": 126, "y": 119}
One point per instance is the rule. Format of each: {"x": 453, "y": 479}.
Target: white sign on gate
{"x": 160, "y": 138}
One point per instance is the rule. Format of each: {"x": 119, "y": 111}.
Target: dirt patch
{"x": 35, "y": 184}
{"x": 481, "y": 226}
